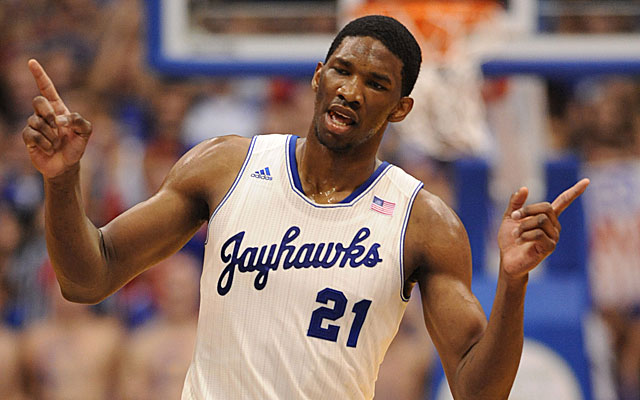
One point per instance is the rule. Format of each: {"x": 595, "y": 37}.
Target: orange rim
{"x": 437, "y": 21}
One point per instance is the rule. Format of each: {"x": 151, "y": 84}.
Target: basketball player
{"x": 313, "y": 244}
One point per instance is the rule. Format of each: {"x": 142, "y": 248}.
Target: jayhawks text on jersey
{"x": 269, "y": 257}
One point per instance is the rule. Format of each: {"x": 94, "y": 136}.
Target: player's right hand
{"x": 55, "y": 138}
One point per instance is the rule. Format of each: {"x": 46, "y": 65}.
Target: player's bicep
{"x": 149, "y": 232}
{"x": 158, "y": 227}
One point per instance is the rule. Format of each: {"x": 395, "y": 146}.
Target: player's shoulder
{"x": 227, "y": 154}
{"x": 221, "y": 150}
{"x": 207, "y": 170}
{"x": 211, "y": 160}
{"x": 434, "y": 232}
{"x": 430, "y": 210}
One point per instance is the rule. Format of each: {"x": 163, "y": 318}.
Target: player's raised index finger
{"x": 568, "y": 196}
{"x": 45, "y": 85}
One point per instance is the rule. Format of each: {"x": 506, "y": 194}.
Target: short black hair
{"x": 395, "y": 36}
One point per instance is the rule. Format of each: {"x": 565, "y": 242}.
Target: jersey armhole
{"x": 233, "y": 186}
{"x": 402, "y": 235}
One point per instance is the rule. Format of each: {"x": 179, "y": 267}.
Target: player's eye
{"x": 341, "y": 71}
{"x": 376, "y": 85}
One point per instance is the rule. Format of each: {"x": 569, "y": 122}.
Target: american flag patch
{"x": 382, "y": 206}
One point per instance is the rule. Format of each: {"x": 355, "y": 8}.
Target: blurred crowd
{"x": 137, "y": 344}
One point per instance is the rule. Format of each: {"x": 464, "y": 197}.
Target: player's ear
{"x": 402, "y": 109}
{"x": 315, "y": 81}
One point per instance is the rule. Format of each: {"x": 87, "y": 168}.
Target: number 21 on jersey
{"x": 334, "y": 313}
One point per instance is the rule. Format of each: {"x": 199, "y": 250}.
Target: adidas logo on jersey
{"x": 262, "y": 174}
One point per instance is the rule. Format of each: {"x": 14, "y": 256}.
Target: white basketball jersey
{"x": 299, "y": 300}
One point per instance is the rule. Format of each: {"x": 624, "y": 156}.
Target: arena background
{"x": 512, "y": 93}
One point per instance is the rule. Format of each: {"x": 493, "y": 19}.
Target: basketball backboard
{"x": 242, "y": 37}
{"x": 221, "y": 37}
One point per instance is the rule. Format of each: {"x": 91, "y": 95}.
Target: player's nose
{"x": 351, "y": 93}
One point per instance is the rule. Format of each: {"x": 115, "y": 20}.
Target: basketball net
{"x": 448, "y": 119}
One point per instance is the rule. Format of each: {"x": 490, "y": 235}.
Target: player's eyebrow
{"x": 375, "y": 75}
{"x": 344, "y": 62}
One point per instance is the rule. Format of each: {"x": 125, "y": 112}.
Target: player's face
{"x": 358, "y": 91}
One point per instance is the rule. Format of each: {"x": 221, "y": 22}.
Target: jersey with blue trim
{"x": 299, "y": 300}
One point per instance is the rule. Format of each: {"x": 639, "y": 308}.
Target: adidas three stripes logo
{"x": 262, "y": 174}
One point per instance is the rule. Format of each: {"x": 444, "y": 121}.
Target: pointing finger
{"x": 568, "y": 196}
{"x": 46, "y": 87}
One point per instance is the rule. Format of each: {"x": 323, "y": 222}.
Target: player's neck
{"x": 328, "y": 176}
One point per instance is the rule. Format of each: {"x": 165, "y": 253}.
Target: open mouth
{"x": 340, "y": 119}
{"x": 338, "y": 123}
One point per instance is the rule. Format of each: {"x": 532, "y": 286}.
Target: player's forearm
{"x": 489, "y": 368}
{"x": 73, "y": 242}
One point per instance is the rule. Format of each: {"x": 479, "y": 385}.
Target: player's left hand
{"x": 530, "y": 233}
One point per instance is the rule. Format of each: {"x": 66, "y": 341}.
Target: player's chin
{"x": 333, "y": 142}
